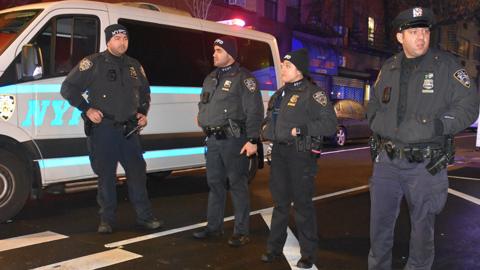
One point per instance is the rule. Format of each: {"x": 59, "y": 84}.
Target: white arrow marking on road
{"x": 30, "y": 239}
{"x": 291, "y": 249}
{"x": 94, "y": 261}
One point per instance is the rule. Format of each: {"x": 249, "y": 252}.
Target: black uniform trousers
{"x": 425, "y": 194}
{"x": 224, "y": 161}
{"x": 292, "y": 177}
{"x": 108, "y": 146}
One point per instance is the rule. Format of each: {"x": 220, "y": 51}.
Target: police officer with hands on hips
{"x": 117, "y": 106}
{"x": 230, "y": 114}
{"x": 299, "y": 115}
{"x": 422, "y": 97}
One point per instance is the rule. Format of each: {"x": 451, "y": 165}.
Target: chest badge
{"x": 428, "y": 84}
{"x": 293, "y": 100}
{"x": 7, "y": 106}
{"x": 226, "y": 85}
{"x": 133, "y": 72}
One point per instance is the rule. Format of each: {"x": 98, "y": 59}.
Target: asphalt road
{"x": 59, "y": 231}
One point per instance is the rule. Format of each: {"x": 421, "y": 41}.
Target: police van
{"x": 42, "y": 142}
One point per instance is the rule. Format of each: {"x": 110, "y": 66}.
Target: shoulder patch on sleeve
{"x": 462, "y": 76}
{"x": 321, "y": 98}
{"x": 251, "y": 84}
{"x": 85, "y": 64}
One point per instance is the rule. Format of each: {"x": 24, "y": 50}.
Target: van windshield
{"x": 12, "y": 24}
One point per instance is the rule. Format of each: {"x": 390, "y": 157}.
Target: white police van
{"x": 42, "y": 143}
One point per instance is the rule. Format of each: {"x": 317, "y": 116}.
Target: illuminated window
{"x": 371, "y": 30}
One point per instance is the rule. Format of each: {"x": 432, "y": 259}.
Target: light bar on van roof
{"x": 236, "y": 21}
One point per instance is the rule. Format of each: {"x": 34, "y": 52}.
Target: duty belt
{"x": 412, "y": 153}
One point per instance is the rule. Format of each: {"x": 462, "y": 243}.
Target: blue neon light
{"x": 84, "y": 160}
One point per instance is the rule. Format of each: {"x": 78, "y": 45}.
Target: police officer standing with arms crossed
{"x": 230, "y": 114}
{"x": 299, "y": 115}
{"x": 117, "y": 106}
{"x": 422, "y": 97}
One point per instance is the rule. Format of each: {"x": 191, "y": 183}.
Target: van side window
{"x": 183, "y": 57}
{"x": 256, "y": 56}
{"x": 171, "y": 56}
{"x": 63, "y": 42}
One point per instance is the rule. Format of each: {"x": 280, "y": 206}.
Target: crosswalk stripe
{"x": 94, "y": 261}
{"x": 291, "y": 249}
{"x": 30, "y": 239}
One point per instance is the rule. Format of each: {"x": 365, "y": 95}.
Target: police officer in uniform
{"x": 299, "y": 114}
{"x": 422, "y": 97}
{"x": 117, "y": 106}
{"x": 230, "y": 114}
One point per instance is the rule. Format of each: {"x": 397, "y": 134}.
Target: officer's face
{"x": 118, "y": 44}
{"x": 415, "y": 41}
{"x": 221, "y": 58}
{"x": 289, "y": 72}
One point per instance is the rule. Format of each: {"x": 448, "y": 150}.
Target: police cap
{"x": 414, "y": 17}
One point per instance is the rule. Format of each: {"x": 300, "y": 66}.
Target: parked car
{"x": 352, "y": 121}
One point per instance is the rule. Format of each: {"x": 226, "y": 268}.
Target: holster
{"x": 87, "y": 124}
{"x": 374, "y": 143}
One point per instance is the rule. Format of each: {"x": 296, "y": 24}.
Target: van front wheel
{"x": 15, "y": 185}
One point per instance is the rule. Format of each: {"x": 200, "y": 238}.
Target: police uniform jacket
{"x": 439, "y": 90}
{"x": 117, "y": 86}
{"x": 233, "y": 95}
{"x": 303, "y": 105}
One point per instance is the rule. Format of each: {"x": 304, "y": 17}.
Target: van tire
{"x": 15, "y": 184}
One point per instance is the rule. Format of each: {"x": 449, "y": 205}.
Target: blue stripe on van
{"x": 55, "y": 88}
{"x": 84, "y": 160}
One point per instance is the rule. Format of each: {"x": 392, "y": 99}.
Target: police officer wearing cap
{"x": 299, "y": 114}
{"x": 230, "y": 114}
{"x": 422, "y": 97}
{"x": 117, "y": 105}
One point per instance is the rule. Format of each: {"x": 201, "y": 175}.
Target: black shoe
{"x": 238, "y": 240}
{"x": 305, "y": 262}
{"x": 104, "y": 228}
{"x": 205, "y": 233}
{"x": 270, "y": 257}
{"x": 150, "y": 224}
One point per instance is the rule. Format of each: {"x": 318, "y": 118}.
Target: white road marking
{"x": 199, "y": 225}
{"x": 30, "y": 239}
{"x": 345, "y": 150}
{"x": 94, "y": 261}
{"x": 464, "y": 196}
{"x": 464, "y": 178}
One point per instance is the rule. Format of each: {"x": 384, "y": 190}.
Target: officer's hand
{"x": 142, "y": 119}
{"x": 95, "y": 115}
{"x": 249, "y": 148}
{"x": 414, "y": 130}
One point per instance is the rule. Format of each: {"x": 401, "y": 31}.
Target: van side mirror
{"x": 31, "y": 63}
